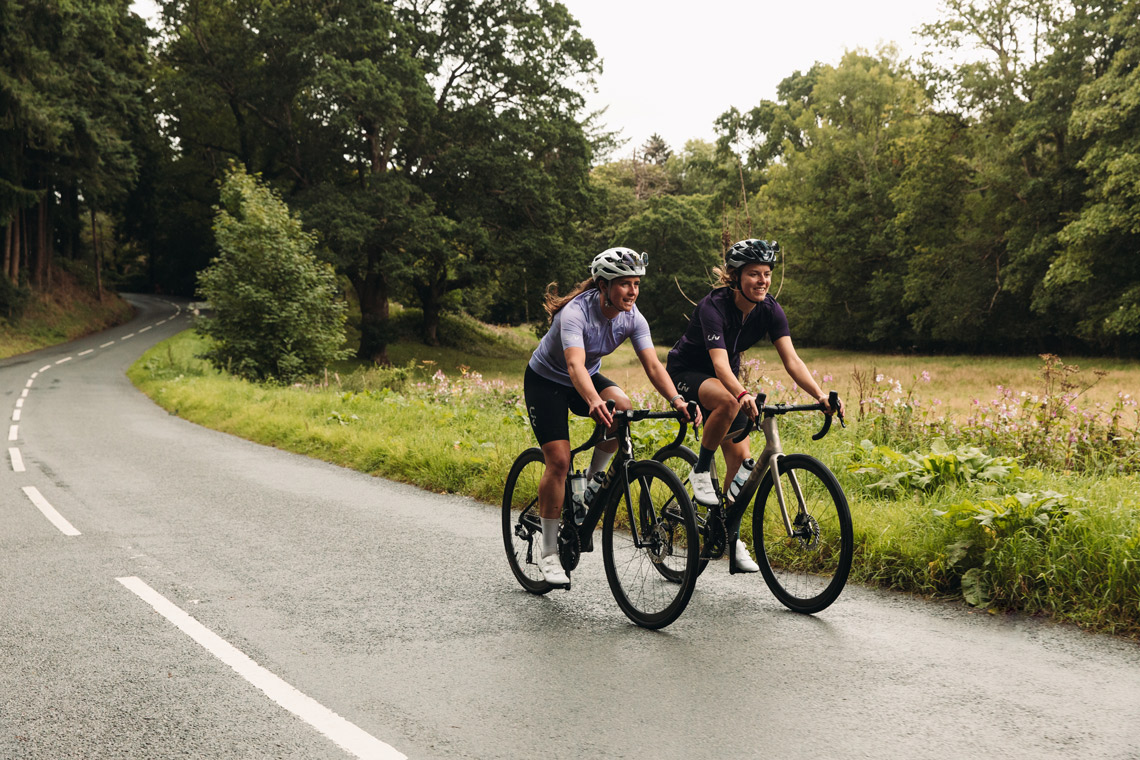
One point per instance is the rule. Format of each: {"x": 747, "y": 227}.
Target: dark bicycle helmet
{"x": 752, "y": 251}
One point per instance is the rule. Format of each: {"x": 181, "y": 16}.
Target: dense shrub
{"x": 276, "y": 313}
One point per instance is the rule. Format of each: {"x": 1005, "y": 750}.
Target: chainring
{"x": 569, "y": 546}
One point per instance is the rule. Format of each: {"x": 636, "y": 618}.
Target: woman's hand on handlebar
{"x": 748, "y": 404}
{"x": 827, "y": 409}
{"x": 601, "y": 413}
{"x": 690, "y": 411}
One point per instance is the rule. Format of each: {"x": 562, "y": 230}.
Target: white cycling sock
{"x": 598, "y": 463}
{"x": 549, "y": 536}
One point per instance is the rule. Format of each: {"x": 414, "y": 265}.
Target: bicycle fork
{"x": 769, "y": 461}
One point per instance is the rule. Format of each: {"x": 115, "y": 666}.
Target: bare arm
{"x": 798, "y": 370}
{"x": 576, "y": 366}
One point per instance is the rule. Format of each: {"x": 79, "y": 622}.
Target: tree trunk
{"x": 7, "y": 249}
{"x": 43, "y": 252}
{"x": 97, "y": 252}
{"x": 430, "y": 297}
{"x": 14, "y": 271}
{"x": 372, "y": 292}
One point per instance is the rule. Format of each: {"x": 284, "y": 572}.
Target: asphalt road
{"x": 196, "y": 595}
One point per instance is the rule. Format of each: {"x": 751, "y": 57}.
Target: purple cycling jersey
{"x": 580, "y": 323}
{"x": 717, "y": 323}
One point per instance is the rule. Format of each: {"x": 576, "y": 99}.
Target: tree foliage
{"x": 276, "y": 310}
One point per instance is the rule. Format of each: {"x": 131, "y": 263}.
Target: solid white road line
{"x": 13, "y": 432}
{"x": 108, "y": 343}
{"x": 17, "y": 460}
{"x": 346, "y": 735}
{"x": 54, "y": 517}
{"x": 64, "y": 359}
{"x": 88, "y": 351}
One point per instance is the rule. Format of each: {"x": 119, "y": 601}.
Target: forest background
{"x": 982, "y": 198}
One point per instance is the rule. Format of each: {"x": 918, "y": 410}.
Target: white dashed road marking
{"x": 108, "y": 343}
{"x": 49, "y": 512}
{"x": 346, "y": 735}
{"x": 64, "y": 359}
{"x": 13, "y": 432}
{"x": 17, "y": 460}
{"x": 88, "y": 351}
{"x": 16, "y": 415}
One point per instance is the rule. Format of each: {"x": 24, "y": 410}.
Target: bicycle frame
{"x": 768, "y": 461}
{"x": 618, "y": 470}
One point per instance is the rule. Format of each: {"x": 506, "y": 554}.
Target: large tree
{"x": 434, "y": 146}
{"x": 72, "y": 97}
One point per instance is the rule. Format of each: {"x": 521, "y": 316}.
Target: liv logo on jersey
{"x": 712, "y": 337}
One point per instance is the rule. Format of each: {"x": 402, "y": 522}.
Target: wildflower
{"x": 925, "y": 376}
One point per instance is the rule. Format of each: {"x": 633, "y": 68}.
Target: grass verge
{"x": 67, "y": 312}
{"x": 932, "y": 519}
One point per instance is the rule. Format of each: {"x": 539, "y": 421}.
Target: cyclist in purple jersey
{"x": 563, "y": 376}
{"x": 705, "y": 362}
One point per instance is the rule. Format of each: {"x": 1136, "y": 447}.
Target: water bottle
{"x": 741, "y": 476}
{"x": 594, "y": 486}
{"x": 578, "y": 496}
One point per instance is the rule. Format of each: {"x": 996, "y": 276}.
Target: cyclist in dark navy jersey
{"x": 563, "y": 376}
{"x": 705, "y": 362}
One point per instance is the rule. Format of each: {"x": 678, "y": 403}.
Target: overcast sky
{"x": 673, "y": 66}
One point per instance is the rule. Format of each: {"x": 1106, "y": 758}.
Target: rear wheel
{"x": 807, "y": 570}
{"x": 650, "y": 528}
{"x": 522, "y": 531}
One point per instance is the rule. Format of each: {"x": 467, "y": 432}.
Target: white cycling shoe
{"x": 551, "y": 567}
{"x": 703, "y": 491}
{"x": 743, "y": 560}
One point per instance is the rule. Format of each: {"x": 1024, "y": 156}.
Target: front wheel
{"x": 650, "y": 527}
{"x": 522, "y": 531}
{"x": 807, "y": 570}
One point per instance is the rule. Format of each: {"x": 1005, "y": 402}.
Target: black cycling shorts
{"x": 548, "y": 404}
{"x": 688, "y": 384}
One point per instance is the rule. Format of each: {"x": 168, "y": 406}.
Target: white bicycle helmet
{"x": 618, "y": 262}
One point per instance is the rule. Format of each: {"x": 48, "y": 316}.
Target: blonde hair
{"x": 724, "y": 276}
{"x": 553, "y": 302}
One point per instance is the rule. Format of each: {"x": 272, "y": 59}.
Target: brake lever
{"x": 751, "y": 424}
{"x": 833, "y": 402}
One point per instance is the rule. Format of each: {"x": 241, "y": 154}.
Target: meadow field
{"x": 998, "y": 482}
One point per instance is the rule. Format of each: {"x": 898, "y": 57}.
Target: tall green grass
{"x": 956, "y": 521}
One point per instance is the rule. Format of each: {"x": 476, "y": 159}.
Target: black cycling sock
{"x": 704, "y": 460}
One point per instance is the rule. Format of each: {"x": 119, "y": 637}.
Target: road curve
{"x": 169, "y": 591}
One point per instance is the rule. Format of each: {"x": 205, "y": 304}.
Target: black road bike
{"x": 801, "y": 525}
{"x": 650, "y": 543}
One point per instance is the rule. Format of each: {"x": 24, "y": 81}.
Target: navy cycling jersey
{"x": 717, "y": 323}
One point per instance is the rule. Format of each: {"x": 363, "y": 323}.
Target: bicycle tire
{"x": 668, "y": 530}
{"x": 805, "y": 573}
{"x": 680, "y": 459}
{"x": 521, "y": 529}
